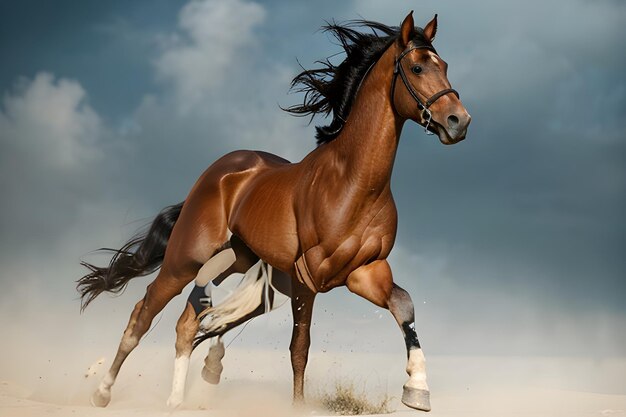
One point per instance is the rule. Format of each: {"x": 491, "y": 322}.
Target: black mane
{"x": 333, "y": 88}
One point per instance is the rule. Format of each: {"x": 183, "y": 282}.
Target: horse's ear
{"x": 407, "y": 30}
{"x": 431, "y": 29}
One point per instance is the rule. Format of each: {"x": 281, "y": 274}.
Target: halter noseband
{"x": 426, "y": 113}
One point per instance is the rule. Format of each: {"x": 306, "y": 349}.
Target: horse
{"x": 324, "y": 222}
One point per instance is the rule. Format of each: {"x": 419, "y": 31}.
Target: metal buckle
{"x": 427, "y": 116}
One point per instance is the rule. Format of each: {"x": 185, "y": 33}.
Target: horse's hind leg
{"x": 102, "y": 396}
{"x": 234, "y": 257}
{"x": 374, "y": 282}
{"x": 158, "y": 294}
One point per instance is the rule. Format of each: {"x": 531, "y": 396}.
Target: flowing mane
{"x": 332, "y": 88}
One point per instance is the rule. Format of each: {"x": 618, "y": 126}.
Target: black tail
{"x": 140, "y": 256}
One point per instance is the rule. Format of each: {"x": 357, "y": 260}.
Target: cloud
{"x": 73, "y": 181}
{"x": 54, "y": 175}
{"x": 214, "y": 35}
{"x": 221, "y": 93}
{"x": 49, "y": 122}
{"x": 48, "y": 144}
{"x": 62, "y": 162}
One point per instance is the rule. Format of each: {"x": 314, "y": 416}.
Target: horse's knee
{"x": 373, "y": 282}
{"x": 401, "y": 305}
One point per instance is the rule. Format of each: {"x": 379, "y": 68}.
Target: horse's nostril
{"x": 453, "y": 121}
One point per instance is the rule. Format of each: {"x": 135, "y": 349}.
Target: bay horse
{"x": 324, "y": 222}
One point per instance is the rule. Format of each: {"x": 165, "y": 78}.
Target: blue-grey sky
{"x": 512, "y": 241}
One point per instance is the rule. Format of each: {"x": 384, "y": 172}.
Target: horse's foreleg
{"x": 374, "y": 282}
{"x": 213, "y": 362}
{"x": 416, "y": 393}
{"x": 186, "y": 329}
{"x": 158, "y": 294}
{"x": 302, "y": 308}
{"x": 217, "y": 269}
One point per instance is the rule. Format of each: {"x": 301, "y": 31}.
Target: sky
{"x": 510, "y": 243}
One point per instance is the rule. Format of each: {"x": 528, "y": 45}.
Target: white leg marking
{"x": 181, "y": 365}
{"x": 215, "y": 266}
{"x": 102, "y": 396}
{"x": 416, "y": 368}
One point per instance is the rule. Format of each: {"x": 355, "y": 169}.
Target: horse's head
{"x": 420, "y": 88}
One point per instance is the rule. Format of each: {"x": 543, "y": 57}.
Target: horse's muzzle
{"x": 454, "y": 129}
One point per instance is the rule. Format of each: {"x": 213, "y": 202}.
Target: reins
{"x": 398, "y": 69}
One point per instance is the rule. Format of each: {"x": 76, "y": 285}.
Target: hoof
{"x": 210, "y": 377}
{"x": 174, "y": 401}
{"x": 416, "y": 398}
{"x": 101, "y": 398}
{"x": 213, "y": 364}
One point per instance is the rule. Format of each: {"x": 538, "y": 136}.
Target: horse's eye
{"x": 416, "y": 69}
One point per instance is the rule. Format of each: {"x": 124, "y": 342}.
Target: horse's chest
{"x": 341, "y": 250}
{"x": 341, "y": 227}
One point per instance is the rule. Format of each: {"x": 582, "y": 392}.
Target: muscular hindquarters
{"x": 244, "y": 192}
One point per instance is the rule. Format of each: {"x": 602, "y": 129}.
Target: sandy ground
{"x": 257, "y": 383}
{"x": 51, "y": 360}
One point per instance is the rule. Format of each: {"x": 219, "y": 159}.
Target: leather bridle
{"x": 398, "y": 69}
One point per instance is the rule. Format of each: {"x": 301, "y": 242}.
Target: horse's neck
{"x": 369, "y": 140}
